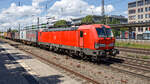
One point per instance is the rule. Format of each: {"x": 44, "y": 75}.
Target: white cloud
{"x": 36, "y": 3}
{"x": 62, "y": 9}
{"x": 125, "y": 12}
{"x": 11, "y": 16}
{"x": 75, "y": 8}
{"x": 17, "y": 12}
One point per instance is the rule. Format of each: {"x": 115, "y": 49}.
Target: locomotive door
{"x": 40, "y": 36}
{"x": 81, "y": 40}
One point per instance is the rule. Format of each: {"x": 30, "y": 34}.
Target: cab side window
{"x": 81, "y": 33}
{"x": 40, "y": 33}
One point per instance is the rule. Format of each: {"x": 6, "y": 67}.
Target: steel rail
{"x": 89, "y": 80}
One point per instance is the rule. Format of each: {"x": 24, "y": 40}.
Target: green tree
{"x": 123, "y": 29}
{"x": 88, "y": 20}
{"x": 43, "y": 25}
{"x": 107, "y": 20}
{"x": 33, "y": 26}
{"x": 14, "y": 30}
{"x": 61, "y": 23}
{"x": 10, "y": 30}
{"x": 116, "y": 32}
{"x": 114, "y": 21}
{"x": 101, "y": 22}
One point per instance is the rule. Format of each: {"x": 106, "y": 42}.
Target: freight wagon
{"x": 22, "y": 36}
{"x": 17, "y": 37}
{"x": 32, "y": 36}
{"x": 13, "y": 35}
{"x": 2, "y": 34}
{"x": 9, "y": 36}
{"x": 5, "y": 34}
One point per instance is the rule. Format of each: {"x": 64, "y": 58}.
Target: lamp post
{"x": 38, "y": 22}
{"x": 32, "y": 19}
{"x": 92, "y": 10}
{"x": 103, "y": 8}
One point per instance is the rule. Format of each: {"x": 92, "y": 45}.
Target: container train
{"x": 95, "y": 41}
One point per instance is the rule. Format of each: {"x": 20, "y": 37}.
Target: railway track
{"x": 140, "y": 68}
{"x": 126, "y": 66}
{"x": 87, "y": 80}
{"x": 135, "y": 60}
{"x": 137, "y": 68}
{"x": 134, "y": 50}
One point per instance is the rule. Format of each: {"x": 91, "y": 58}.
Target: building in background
{"x": 121, "y": 19}
{"x": 76, "y": 20}
{"x": 139, "y": 12}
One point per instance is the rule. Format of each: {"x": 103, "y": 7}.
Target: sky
{"x": 25, "y": 13}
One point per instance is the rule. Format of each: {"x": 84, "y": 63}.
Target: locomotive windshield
{"x": 104, "y": 32}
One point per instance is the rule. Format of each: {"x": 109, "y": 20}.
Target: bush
{"x": 61, "y": 23}
{"x": 88, "y": 20}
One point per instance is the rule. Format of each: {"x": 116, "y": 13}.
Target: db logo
{"x": 85, "y": 33}
{"x": 54, "y": 37}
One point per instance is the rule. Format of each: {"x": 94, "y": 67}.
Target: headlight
{"x": 110, "y": 45}
{"x": 97, "y": 45}
{"x": 102, "y": 45}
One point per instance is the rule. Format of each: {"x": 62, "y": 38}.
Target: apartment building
{"x": 138, "y": 12}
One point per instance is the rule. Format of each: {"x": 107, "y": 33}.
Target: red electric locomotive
{"x": 94, "y": 40}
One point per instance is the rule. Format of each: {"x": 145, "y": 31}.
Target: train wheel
{"x": 70, "y": 53}
{"x": 50, "y": 48}
{"x": 82, "y": 55}
{"x": 95, "y": 59}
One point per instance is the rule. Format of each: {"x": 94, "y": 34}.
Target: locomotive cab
{"x": 97, "y": 40}
{"x": 105, "y": 41}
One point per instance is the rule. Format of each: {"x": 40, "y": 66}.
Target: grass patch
{"x": 142, "y": 57}
{"x": 145, "y": 57}
{"x": 131, "y": 55}
{"x": 132, "y": 45}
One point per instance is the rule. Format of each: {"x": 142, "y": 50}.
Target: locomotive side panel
{"x": 68, "y": 38}
{"x": 43, "y": 37}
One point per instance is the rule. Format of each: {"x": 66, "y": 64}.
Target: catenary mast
{"x": 103, "y": 9}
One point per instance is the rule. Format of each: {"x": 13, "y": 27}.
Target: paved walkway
{"x": 16, "y": 67}
{"x": 10, "y": 71}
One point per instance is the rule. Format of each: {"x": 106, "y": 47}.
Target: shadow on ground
{"x": 13, "y": 73}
